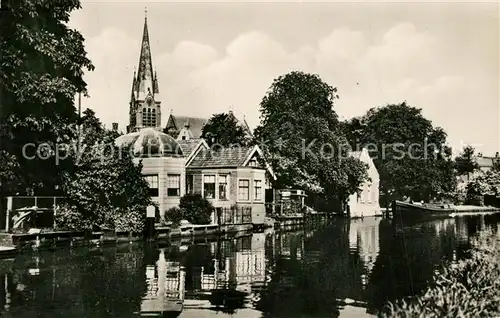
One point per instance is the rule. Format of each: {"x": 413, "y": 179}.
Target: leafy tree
{"x": 410, "y": 154}
{"x": 42, "y": 65}
{"x": 196, "y": 209}
{"x": 465, "y": 162}
{"x": 226, "y": 130}
{"x": 487, "y": 183}
{"x": 302, "y": 138}
{"x": 106, "y": 187}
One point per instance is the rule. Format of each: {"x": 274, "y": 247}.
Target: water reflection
{"x": 323, "y": 270}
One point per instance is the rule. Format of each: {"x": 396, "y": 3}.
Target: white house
{"x": 366, "y": 203}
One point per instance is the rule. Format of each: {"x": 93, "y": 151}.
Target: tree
{"x": 224, "y": 129}
{"x": 106, "y": 188}
{"x": 302, "y": 138}
{"x": 465, "y": 162}
{"x": 42, "y": 65}
{"x": 410, "y": 154}
{"x": 196, "y": 209}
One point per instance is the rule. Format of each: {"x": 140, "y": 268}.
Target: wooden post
{"x": 7, "y": 294}
{"x": 7, "y": 214}
{"x": 54, "y": 214}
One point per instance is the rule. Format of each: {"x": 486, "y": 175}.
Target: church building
{"x": 180, "y": 163}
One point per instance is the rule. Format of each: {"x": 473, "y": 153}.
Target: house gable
{"x": 200, "y": 146}
{"x": 372, "y": 170}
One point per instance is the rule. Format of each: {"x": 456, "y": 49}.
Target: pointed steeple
{"x": 132, "y": 97}
{"x": 145, "y": 102}
{"x": 145, "y": 79}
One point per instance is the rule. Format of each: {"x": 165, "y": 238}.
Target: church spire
{"x": 145, "y": 102}
{"x": 145, "y": 76}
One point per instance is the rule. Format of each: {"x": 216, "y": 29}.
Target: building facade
{"x": 366, "y": 202}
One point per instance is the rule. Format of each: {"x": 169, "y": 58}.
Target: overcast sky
{"x": 210, "y": 57}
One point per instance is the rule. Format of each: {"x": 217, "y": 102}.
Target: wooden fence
{"x": 42, "y": 208}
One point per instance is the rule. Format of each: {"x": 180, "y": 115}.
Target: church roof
{"x": 149, "y": 142}
{"x": 195, "y": 124}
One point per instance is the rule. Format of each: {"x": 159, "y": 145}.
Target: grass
{"x": 470, "y": 288}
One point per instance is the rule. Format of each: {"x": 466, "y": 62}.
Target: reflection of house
{"x": 242, "y": 269}
{"x": 364, "y": 237}
{"x": 173, "y": 167}
{"x": 165, "y": 291}
{"x": 366, "y": 202}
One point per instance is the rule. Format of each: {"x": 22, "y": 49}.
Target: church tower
{"x": 145, "y": 108}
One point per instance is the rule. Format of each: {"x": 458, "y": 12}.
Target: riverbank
{"x": 469, "y": 288}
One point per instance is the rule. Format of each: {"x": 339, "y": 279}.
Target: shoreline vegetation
{"x": 468, "y": 288}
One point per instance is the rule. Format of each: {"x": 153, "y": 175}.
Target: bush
{"x": 67, "y": 217}
{"x": 470, "y": 288}
{"x": 196, "y": 209}
{"x": 174, "y": 215}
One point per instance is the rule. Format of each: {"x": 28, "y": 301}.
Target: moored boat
{"x": 409, "y": 210}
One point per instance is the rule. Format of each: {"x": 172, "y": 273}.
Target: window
{"x": 173, "y": 185}
{"x": 152, "y": 180}
{"x": 209, "y": 187}
{"x": 148, "y": 117}
{"x": 253, "y": 162}
{"x": 258, "y": 189}
{"x": 189, "y": 183}
{"x": 223, "y": 187}
{"x": 243, "y": 190}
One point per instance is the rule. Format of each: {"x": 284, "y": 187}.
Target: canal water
{"x": 335, "y": 268}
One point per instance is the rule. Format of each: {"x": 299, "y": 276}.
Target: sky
{"x": 211, "y": 57}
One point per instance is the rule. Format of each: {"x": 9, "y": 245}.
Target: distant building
{"x": 485, "y": 163}
{"x": 366, "y": 202}
{"x": 185, "y": 128}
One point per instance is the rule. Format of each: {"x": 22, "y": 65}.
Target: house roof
{"x": 195, "y": 124}
{"x": 486, "y": 162}
{"x": 355, "y": 154}
{"x": 189, "y": 145}
{"x": 226, "y": 157}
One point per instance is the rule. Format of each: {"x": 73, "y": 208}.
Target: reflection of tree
{"x": 408, "y": 258}
{"x": 81, "y": 283}
{"x": 312, "y": 285}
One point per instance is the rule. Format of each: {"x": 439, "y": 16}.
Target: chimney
{"x": 496, "y": 154}
{"x": 115, "y": 126}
